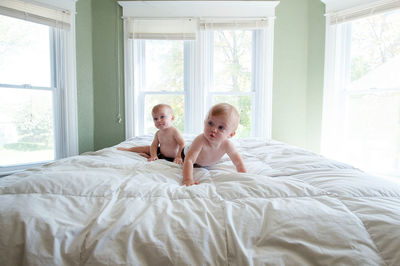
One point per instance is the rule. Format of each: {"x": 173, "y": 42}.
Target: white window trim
{"x": 66, "y": 120}
{"x": 201, "y": 9}
{"x": 199, "y": 83}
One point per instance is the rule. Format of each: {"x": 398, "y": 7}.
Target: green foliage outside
{"x": 375, "y": 40}
{"x": 35, "y": 128}
{"x": 233, "y": 50}
{"x": 169, "y": 57}
{"x": 25, "y": 146}
{"x": 31, "y": 115}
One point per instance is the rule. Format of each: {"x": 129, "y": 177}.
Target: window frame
{"x": 63, "y": 87}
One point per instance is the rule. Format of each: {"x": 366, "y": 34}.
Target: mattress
{"x": 112, "y": 207}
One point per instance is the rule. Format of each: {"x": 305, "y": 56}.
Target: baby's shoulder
{"x": 175, "y": 131}
{"x": 199, "y": 140}
{"x": 228, "y": 145}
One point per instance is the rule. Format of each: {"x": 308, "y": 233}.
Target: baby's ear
{"x": 232, "y": 134}
{"x": 173, "y": 118}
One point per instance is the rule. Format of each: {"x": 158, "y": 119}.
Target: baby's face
{"x": 218, "y": 128}
{"x": 162, "y": 118}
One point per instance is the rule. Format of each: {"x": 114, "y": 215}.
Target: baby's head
{"x": 163, "y": 115}
{"x": 222, "y": 121}
{"x": 162, "y": 107}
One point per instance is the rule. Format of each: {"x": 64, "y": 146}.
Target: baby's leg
{"x": 142, "y": 150}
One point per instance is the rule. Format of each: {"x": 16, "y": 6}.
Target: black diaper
{"x": 169, "y": 159}
{"x": 161, "y": 156}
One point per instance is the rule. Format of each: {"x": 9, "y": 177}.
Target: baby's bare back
{"x": 168, "y": 144}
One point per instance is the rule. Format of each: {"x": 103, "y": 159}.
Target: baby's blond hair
{"x": 160, "y": 106}
{"x": 228, "y": 110}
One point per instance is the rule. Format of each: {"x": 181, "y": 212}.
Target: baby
{"x": 220, "y": 125}
{"x": 168, "y": 142}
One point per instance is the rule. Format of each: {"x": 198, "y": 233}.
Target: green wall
{"x": 316, "y": 55}
{"x": 298, "y": 73}
{"x": 107, "y": 130}
{"x": 84, "y": 69}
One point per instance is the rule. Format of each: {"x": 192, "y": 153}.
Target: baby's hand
{"x": 189, "y": 182}
{"x": 152, "y": 158}
{"x": 178, "y": 160}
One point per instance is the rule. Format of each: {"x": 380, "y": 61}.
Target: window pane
{"x": 375, "y": 52}
{"x": 24, "y": 53}
{"x": 243, "y": 105}
{"x": 175, "y": 101}
{"x": 232, "y": 61}
{"x": 373, "y": 132}
{"x": 164, "y": 65}
{"x": 26, "y": 126}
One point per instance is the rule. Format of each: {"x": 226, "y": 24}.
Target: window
{"x": 162, "y": 80}
{"x": 27, "y": 125}
{"x": 231, "y": 73}
{"x": 195, "y": 59}
{"x": 362, "y": 101}
{"x": 35, "y": 90}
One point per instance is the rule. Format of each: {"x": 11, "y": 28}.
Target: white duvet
{"x": 112, "y": 207}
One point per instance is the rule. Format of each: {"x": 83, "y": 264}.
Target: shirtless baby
{"x": 220, "y": 125}
{"x": 168, "y": 142}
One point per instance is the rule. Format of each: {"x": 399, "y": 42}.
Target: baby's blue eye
{"x": 221, "y": 128}
{"x": 162, "y": 116}
{"x": 210, "y": 123}
{"x": 155, "y": 119}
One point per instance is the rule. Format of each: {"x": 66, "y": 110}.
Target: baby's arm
{"x": 181, "y": 143}
{"x": 235, "y": 157}
{"x": 153, "y": 148}
{"x": 190, "y": 159}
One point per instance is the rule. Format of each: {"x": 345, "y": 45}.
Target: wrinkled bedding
{"x": 112, "y": 207}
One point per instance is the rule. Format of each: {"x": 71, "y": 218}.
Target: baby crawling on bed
{"x": 168, "y": 142}
{"x": 206, "y": 149}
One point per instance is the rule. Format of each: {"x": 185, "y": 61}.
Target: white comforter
{"x": 113, "y": 207}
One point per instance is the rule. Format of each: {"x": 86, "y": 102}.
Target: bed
{"x": 112, "y": 207}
